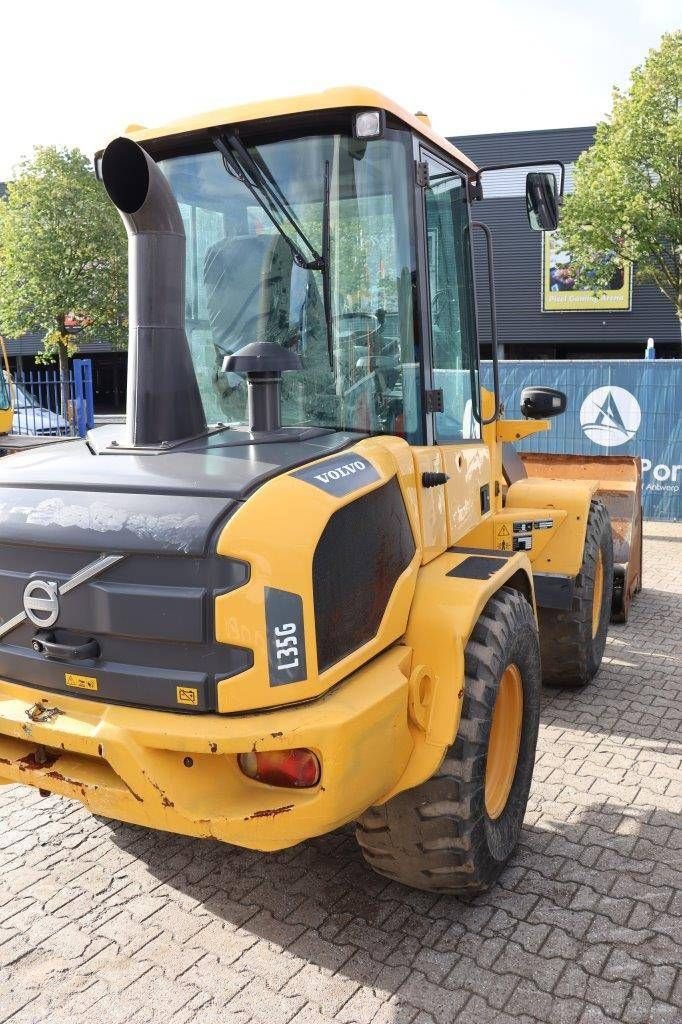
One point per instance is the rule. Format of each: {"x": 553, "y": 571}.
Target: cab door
{"x": 453, "y": 347}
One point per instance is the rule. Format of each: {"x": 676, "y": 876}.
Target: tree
{"x": 62, "y": 257}
{"x": 628, "y": 186}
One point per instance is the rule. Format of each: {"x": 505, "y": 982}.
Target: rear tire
{"x": 572, "y": 642}
{"x": 455, "y": 832}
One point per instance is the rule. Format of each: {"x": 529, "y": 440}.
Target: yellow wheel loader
{"x": 6, "y": 410}
{"x": 308, "y": 582}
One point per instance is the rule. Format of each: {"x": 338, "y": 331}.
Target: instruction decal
{"x": 523, "y": 527}
{"x": 80, "y": 682}
{"x": 187, "y": 695}
{"x": 523, "y": 541}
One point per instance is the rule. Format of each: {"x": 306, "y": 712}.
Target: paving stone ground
{"x": 107, "y": 923}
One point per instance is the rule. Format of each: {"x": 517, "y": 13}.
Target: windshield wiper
{"x": 260, "y": 182}
{"x": 239, "y": 162}
{"x": 326, "y": 246}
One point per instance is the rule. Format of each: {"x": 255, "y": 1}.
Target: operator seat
{"x": 247, "y": 282}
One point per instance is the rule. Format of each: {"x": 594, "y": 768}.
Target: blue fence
{"x": 37, "y": 398}
{"x": 624, "y": 407}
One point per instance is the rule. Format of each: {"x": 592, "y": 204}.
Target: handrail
{"x": 493, "y": 324}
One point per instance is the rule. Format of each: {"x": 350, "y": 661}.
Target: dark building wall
{"x": 518, "y": 265}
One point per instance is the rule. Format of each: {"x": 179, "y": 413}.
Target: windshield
{"x": 245, "y": 282}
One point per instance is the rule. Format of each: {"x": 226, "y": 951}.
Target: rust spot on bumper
{"x": 271, "y": 812}
{"x": 36, "y": 762}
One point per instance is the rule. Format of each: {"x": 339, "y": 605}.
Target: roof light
{"x": 369, "y": 124}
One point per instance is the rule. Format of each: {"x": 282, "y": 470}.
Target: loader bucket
{"x": 619, "y": 486}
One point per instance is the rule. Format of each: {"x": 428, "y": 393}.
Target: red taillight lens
{"x": 297, "y": 768}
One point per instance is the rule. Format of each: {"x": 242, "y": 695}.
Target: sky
{"x": 76, "y": 73}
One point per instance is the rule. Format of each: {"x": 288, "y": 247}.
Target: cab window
{"x": 451, "y": 300}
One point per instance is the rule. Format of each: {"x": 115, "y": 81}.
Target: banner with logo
{"x": 560, "y": 293}
{"x": 624, "y": 407}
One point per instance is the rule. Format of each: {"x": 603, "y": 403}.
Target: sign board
{"x": 615, "y": 407}
{"x": 559, "y": 291}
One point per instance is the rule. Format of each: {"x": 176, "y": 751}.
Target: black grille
{"x": 364, "y": 548}
{"x": 152, "y": 618}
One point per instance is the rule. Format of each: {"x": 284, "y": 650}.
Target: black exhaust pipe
{"x": 163, "y": 401}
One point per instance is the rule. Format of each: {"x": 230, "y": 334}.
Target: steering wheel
{"x": 365, "y": 324}
{"x": 438, "y": 303}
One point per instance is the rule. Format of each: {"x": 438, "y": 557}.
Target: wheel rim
{"x": 504, "y": 742}
{"x": 597, "y": 593}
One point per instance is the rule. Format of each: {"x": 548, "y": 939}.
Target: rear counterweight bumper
{"x": 180, "y": 773}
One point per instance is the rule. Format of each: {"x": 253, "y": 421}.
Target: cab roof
{"x": 330, "y": 99}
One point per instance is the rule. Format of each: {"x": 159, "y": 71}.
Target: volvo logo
{"x": 41, "y": 603}
{"x": 41, "y": 598}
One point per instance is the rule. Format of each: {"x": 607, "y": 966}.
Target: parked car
{"x": 30, "y": 417}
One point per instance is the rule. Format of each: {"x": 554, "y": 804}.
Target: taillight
{"x": 298, "y": 768}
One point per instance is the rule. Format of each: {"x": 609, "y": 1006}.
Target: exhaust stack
{"x": 163, "y": 400}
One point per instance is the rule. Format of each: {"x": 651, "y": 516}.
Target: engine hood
{"x": 88, "y": 495}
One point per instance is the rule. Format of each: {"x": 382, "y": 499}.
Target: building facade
{"x": 527, "y": 291}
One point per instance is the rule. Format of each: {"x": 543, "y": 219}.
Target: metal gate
{"x": 38, "y": 407}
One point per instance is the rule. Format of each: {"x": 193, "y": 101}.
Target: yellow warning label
{"x": 80, "y": 682}
{"x": 187, "y": 695}
{"x": 503, "y": 537}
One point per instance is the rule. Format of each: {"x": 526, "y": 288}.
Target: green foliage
{"x": 62, "y": 251}
{"x": 628, "y": 185}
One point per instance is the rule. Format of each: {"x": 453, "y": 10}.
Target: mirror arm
{"x": 493, "y": 322}
{"x": 523, "y": 163}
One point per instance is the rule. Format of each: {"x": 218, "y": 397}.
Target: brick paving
{"x": 107, "y": 923}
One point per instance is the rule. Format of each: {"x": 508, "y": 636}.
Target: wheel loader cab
{"x": 354, "y": 253}
{"x": 296, "y": 590}
{"x": 396, "y": 278}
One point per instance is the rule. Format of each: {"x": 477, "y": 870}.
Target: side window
{"x": 453, "y": 339}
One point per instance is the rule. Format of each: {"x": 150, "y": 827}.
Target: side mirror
{"x": 541, "y": 403}
{"x": 542, "y": 201}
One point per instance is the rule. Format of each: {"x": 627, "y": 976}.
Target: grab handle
{"x": 47, "y": 644}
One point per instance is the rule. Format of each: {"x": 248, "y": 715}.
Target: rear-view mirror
{"x": 542, "y": 201}
{"x": 541, "y": 403}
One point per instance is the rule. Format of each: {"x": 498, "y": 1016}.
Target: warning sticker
{"x": 80, "y": 682}
{"x": 187, "y": 695}
{"x": 503, "y": 536}
{"x": 543, "y": 524}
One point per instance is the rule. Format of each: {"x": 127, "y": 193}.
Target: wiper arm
{"x": 326, "y": 261}
{"x": 239, "y": 162}
{"x": 265, "y": 190}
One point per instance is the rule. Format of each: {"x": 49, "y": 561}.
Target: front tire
{"x": 455, "y": 832}
{"x": 572, "y": 642}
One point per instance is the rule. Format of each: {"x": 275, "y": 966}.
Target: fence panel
{"x": 38, "y": 401}
{"x": 619, "y": 407}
